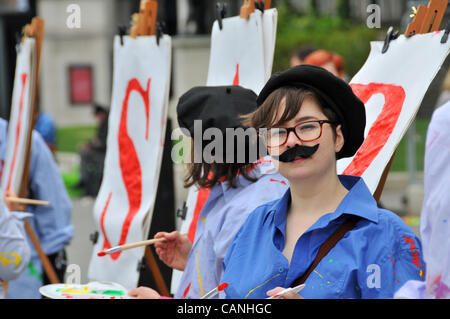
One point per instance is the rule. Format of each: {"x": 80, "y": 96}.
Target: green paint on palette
{"x": 109, "y": 292}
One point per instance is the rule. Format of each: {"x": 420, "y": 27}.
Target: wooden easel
{"x": 249, "y": 7}
{"x": 426, "y": 19}
{"x": 144, "y": 24}
{"x": 35, "y": 30}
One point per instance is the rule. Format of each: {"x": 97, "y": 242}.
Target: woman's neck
{"x": 317, "y": 196}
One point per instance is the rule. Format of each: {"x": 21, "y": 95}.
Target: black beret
{"x": 215, "y": 106}
{"x": 332, "y": 91}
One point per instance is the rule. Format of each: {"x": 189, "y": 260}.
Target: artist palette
{"x": 92, "y": 290}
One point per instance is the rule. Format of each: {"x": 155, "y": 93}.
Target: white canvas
{"x": 20, "y": 118}
{"x": 392, "y": 86}
{"x": 124, "y": 206}
{"x": 237, "y": 53}
{"x": 269, "y": 20}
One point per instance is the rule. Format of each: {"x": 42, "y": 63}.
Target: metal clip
{"x": 94, "y": 237}
{"x": 181, "y": 212}
{"x": 221, "y": 10}
{"x": 160, "y": 26}
{"x": 141, "y": 265}
{"x": 18, "y": 38}
{"x": 391, "y": 35}
{"x": 122, "y": 31}
{"x": 446, "y": 33}
{"x": 260, "y": 6}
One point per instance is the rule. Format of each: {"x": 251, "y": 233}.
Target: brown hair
{"x": 267, "y": 114}
{"x": 207, "y": 175}
{"x": 321, "y": 57}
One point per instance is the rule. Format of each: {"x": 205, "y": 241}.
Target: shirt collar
{"x": 256, "y": 170}
{"x": 358, "y": 201}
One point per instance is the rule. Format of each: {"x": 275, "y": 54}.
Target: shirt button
{"x": 281, "y": 269}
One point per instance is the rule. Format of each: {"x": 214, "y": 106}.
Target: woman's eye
{"x": 307, "y": 127}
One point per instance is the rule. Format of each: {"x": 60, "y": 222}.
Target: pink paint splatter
{"x": 393, "y": 268}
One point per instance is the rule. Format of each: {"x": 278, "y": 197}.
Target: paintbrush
{"x": 215, "y": 291}
{"x": 129, "y": 246}
{"x": 27, "y": 201}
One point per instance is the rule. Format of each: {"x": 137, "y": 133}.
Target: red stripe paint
{"x": 106, "y": 243}
{"x": 186, "y": 291}
{"x": 383, "y": 126}
{"x": 236, "y": 76}
{"x": 275, "y": 180}
{"x": 130, "y": 166}
{"x": 202, "y": 197}
{"x": 23, "y": 77}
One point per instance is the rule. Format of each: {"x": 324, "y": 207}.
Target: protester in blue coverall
{"x": 310, "y": 119}
{"x": 51, "y": 224}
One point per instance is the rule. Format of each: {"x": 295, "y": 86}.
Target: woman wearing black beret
{"x": 327, "y": 231}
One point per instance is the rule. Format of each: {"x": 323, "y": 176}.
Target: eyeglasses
{"x": 305, "y": 132}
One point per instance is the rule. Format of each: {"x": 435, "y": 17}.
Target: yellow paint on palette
{"x": 5, "y": 260}
{"x": 74, "y": 291}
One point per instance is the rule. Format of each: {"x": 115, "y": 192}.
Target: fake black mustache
{"x": 297, "y": 151}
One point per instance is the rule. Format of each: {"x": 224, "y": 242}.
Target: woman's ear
{"x": 339, "y": 141}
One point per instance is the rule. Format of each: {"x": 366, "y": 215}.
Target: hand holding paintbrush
{"x": 129, "y": 246}
{"x": 172, "y": 248}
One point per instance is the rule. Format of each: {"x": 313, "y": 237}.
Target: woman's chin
{"x": 295, "y": 170}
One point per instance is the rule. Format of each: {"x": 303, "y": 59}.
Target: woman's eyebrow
{"x": 300, "y": 120}
{"x": 305, "y": 118}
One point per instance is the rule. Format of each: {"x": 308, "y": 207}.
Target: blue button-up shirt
{"x": 372, "y": 261}
{"x": 219, "y": 220}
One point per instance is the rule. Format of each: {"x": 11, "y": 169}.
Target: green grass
{"x": 70, "y": 180}
{"x": 69, "y": 140}
{"x": 71, "y": 137}
{"x": 349, "y": 39}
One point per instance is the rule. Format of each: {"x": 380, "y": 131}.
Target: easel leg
{"x": 48, "y": 268}
{"x": 379, "y": 190}
{"x": 151, "y": 262}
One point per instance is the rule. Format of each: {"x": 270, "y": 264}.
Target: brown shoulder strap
{"x": 348, "y": 225}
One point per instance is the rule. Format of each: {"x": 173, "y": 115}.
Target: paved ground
{"x": 80, "y": 249}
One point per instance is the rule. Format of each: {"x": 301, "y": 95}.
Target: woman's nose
{"x": 292, "y": 140}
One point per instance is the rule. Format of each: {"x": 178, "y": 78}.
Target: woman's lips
{"x": 298, "y": 160}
